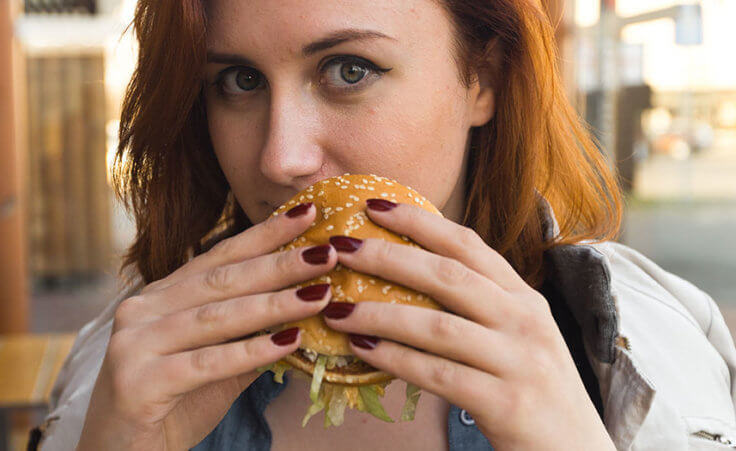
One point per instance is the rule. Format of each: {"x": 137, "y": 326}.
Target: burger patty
{"x": 351, "y": 365}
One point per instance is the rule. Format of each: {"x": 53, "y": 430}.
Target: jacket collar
{"x": 582, "y": 276}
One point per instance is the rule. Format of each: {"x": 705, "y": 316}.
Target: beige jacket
{"x": 664, "y": 358}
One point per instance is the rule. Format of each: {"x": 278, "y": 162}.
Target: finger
{"x": 260, "y": 239}
{"x": 261, "y": 274}
{"x": 459, "y": 384}
{"x": 186, "y": 371}
{"x": 448, "y": 281}
{"x": 218, "y": 322}
{"x": 440, "y": 333}
{"x": 444, "y": 237}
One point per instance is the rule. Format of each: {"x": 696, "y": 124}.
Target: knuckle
{"x": 468, "y": 238}
{"x": 277, "y": 305}
{"x": 384, "y": 251}
{"x": 284, "y": 261}
{"x": 443, "y": 373}
{"x": 452, "y": 273}
{"x": 222, "y": 247}
{"x": 127, "y": 311}
{"x": 210, "y": 315}
{"x": 204, "y": 360}
{"x": 444, "y": 326}
{"x": 218, "y": 279}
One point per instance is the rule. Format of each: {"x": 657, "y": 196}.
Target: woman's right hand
{"x": 174, "y": 363}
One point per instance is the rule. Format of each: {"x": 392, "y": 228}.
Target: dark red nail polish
{"x": 313, "y": 292}
{"x": 338, "y": 310}
{"x": 285, "y": 337}
{"x": 317, "y": 255}
{"x": 299, "y": 210}
{"x": 346, "y": 243}
{"x": 364, "y": 341}
{"x": 380, "y": 204}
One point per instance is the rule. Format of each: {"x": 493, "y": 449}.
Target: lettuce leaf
{"x": 278, "y": 371}
{"x": 319, "y": 374}
{"x": 313, "y": 409}
{"x": 335, "y": 413}
{"x": 410, "y": 405}
{"x": 372, "y": 404}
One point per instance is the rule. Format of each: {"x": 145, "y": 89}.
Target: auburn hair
{"x": 166, "y": 173}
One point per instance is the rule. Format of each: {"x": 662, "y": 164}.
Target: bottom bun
{"x": 355, "y": 373}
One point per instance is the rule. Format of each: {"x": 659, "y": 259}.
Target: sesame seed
{"x": 384, "y": 194}
{"x": 309, "y": 196}
{"x": 330, "y": 227}
{"x": 344, "y": 187}
{"x": 338, "y": 209}
{"x": 349, "y": 204}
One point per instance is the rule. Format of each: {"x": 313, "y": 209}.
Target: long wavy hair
{"x": 166, "y": 173}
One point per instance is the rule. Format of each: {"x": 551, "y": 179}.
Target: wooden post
{"x": 13, "y": 273}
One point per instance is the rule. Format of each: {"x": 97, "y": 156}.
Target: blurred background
{"x": 656, "y": 79}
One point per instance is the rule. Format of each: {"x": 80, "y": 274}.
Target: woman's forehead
{"x": 287, "y": 26}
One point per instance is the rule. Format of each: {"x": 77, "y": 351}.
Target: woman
{"x": 549, "y": 342}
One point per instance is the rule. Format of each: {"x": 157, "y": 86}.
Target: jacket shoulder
{"x": 679, "y": 341}
{"x": 632, "y": 269}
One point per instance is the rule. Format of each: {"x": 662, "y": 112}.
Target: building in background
{"x": 76, "y": 63}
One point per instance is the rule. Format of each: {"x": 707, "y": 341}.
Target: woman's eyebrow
{"x": 331, "y": 40}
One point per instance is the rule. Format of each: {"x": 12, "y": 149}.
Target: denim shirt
{"x": 244, "y": 426}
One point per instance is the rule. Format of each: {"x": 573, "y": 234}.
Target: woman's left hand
{"x": 496, "y": 353}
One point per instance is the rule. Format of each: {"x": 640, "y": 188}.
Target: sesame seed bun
{"x": 340, "y": 204}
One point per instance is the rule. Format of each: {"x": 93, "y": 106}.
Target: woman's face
{"x": 294, "y": 97}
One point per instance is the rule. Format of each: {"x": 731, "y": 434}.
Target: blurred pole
{"x": 13, "y": 277}
{"x": 608, "y": 59}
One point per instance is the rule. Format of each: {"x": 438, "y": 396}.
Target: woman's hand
{"x": 500, "y": 355}
{"x": 179, "y": 354}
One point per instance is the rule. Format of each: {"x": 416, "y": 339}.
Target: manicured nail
{"x": 299, "y": 210}
{"x": 338, "y": 310}
{"x": 313, "y": 292}
{"x": 364, "y": 341}
{"x": 380, "y": 204}
{"x": 285, "y": 337}
{"x": 345, "y": 243}
{"x": 317, "y": 255}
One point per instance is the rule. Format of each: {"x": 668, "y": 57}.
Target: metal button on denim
{"x": 466, "y": 419}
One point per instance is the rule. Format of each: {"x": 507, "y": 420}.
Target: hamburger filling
{"x": 334, "y": 398}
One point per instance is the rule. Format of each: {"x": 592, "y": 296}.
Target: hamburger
{"x": 339, "y": 379}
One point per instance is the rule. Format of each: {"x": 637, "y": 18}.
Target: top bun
{"x": 340, "y": 204}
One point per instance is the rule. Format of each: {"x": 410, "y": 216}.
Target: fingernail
{"x": 299, "y": 210}
{"x": 364, "y": 341}
{"x": 313, "y": 292}
{"x": 380, "y": 204}
{"x": 346, "y": 243}
{"x": 338, "y": 310}
{"x": 285, "y": 337}
{"x": 317, "y": 255}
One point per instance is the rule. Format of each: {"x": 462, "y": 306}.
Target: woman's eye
{"x": 347, "y": 72}
{"x": 236, "y": 80}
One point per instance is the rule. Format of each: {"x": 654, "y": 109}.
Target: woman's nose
{"x": 291, "y": 143}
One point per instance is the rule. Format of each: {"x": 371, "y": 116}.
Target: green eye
{"x": 347, "y": 72}
{"x": 235, "y": 80}
{"x": 352, "y": 73}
